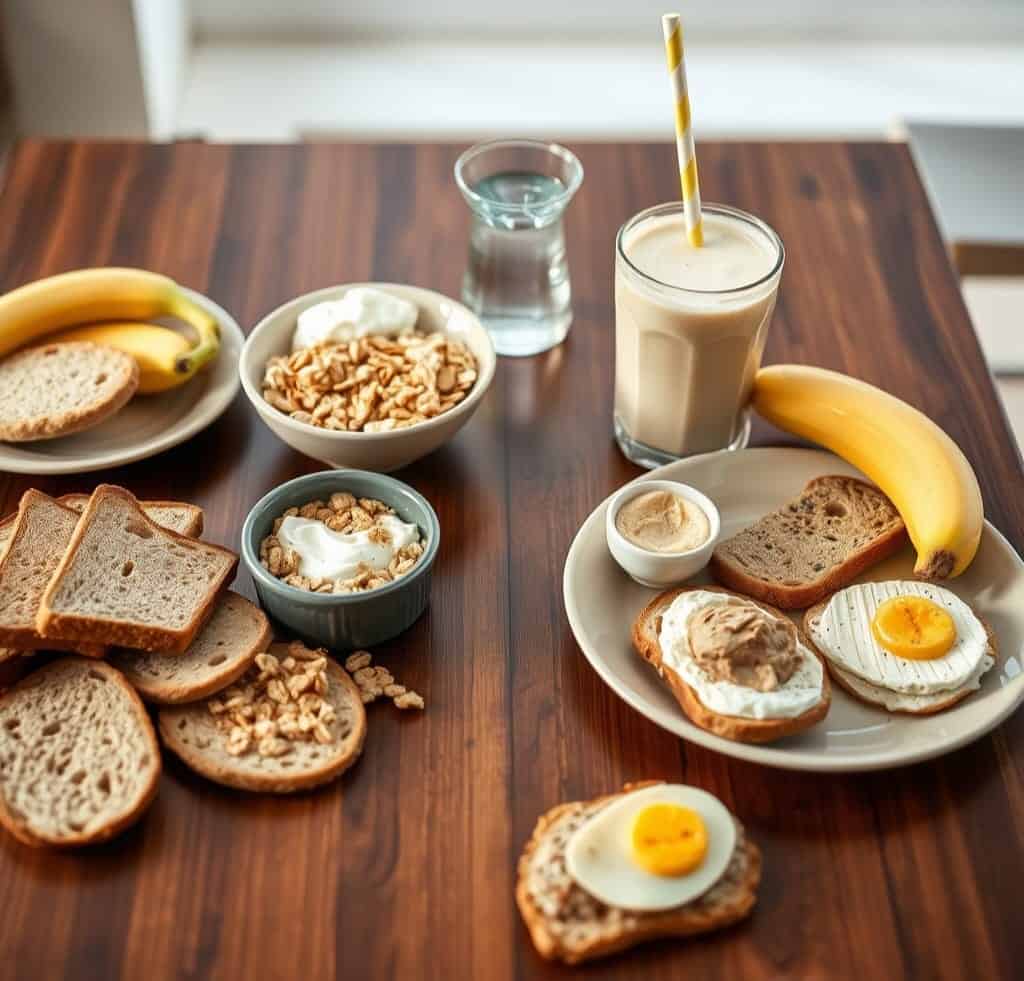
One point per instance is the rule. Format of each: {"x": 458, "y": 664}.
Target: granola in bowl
{"x": 371, "y": 384}
{"x": 343, "y": 544}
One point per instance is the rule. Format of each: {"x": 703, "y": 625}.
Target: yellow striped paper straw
{"x": 673, "y": 31}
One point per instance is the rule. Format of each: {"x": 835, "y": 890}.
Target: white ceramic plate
{"x": 602, "y": 602}
{"x": 148, "y": 424}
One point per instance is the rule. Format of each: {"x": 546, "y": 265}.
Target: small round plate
{"x": 602, "y": 603}
{"x": 148, "y": 424}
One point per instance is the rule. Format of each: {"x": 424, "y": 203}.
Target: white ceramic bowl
{"x": 380, "y": 452}
{"x": 659, "y": 570}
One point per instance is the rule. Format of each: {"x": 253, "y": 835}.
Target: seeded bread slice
{"x": 221, "y": 652}
{"x": 190, "y": 731}
{"x": 176, "y": 516}
{"x": 566, "y": 923}
{"x": 39, "y": 536}
{"x": 62, "y": 388}
{"x": 883, "y": 698}
{"x": 646, "y": 631}
{"x": 129, "y": 582}
{"x": 79, "y": 761}
{"x": 812, "y": 546}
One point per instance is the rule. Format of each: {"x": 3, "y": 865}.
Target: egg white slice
{"x": 599, "y": 856}
{"x": 843, "y": 634}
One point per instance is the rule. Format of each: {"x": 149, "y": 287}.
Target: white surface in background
{"x": 996, "y": 305}
{"x": 162, "y": 27}
{"x": 433, "y": 90}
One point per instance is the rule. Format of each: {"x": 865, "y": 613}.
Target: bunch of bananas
{"x": 113, "y": 307}
{"x": 921, "y": 470}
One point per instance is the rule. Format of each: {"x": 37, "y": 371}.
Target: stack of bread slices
{"x": 137, "y": 606}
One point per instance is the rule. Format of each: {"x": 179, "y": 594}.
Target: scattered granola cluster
{"x": 277, "y": 703}
{"x": 374, "y": 682}
{"x": 345, "y": 514}
{"x": 371, "y": 384}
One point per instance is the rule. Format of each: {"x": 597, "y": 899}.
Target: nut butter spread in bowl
{"x": 369, "y": 375}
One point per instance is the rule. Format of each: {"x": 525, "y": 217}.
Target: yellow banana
{"x": 923, "y": 472}
{"x": 156, "y": 349}
{"x": 88, "y": 296}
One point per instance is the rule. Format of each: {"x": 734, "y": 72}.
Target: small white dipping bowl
{"x": 379, "y": 452}
{"x": 660, "y": 569}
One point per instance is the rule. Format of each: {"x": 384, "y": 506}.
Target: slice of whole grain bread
{"x": 567, "y": 924}
{"x": 185, "y": 519}
{"x": 221, "y": 652}
{"x": 62, "y": 388}
{"x": 811, "y": 546}
{"x": 646, "y": 630}
{"x": 190, "y": 731}
{"x": 127, "y": 581}
{"x": 39, "y": 536}
{"x": 79, "y": 760}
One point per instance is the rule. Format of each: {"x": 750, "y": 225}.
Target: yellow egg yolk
{"x": 913, "y": 627}
{"x": 669, "y": 840}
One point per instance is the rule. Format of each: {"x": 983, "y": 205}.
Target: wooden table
{"x": 405, "y": 867}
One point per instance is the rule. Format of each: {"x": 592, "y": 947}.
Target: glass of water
{"x": 517, "y": 277}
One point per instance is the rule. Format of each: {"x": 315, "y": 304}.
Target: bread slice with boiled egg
{"x": 654, "y": 860}
{"x": 747, "y": 716}
{"x": 904, "y": 646}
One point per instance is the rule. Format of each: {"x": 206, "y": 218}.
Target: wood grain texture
{"x": 404, "y": 868}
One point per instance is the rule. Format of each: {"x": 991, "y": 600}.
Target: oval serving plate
{"x": 602, "y": 601}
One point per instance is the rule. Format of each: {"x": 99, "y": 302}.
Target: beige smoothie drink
{"x": 690, "y": 326}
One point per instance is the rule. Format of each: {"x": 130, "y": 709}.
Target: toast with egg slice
{"x": 646, "y": 630}
{"x": 566, "y": 923}
{"x": 871, "y": 691}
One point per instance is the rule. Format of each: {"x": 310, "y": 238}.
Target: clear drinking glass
{"x": 517, "y": 276}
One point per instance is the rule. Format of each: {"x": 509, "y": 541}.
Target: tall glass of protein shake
{"x": 690, "y": 328}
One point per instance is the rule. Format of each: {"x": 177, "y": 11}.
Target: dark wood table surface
{"x": 405, "y": 867}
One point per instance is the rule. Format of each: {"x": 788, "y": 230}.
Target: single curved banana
{"x": 89, "y": 296}
{"x": 921, "y": 470}
{"x": 156, "y": 350}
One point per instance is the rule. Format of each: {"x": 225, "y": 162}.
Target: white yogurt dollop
{"x": 326, "y": 554}
{"x": 361, "y": 312}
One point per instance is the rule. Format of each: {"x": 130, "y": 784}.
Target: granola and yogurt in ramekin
{"x": 358, "y": 364}
{"x": 342, "y": 545}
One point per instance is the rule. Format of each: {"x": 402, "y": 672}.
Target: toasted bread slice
{"x": 885, "y": 698}
{"x": 190, "y": 731}
{"x": 39, "y": 536}
{"x": 645, "y": 640}
{"x": 129, "y": 582}
{"x": 812, "y": 546}
{"x": 62, "y": 388}
{"x": 567, "y": 924}
{"x": 221, "y": 653}
{"x": 80, "y": 758}
{"x": 176, "y": 516}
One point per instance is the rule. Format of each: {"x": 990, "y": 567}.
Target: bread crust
{"x": 670, "y": 923}
{"x": 18, "y": 827}
{"x": 802, "y": 596}
{"x": 646, "y": 644}
{"x": 171, "y": 693}
{"x": 193, "y": 528}
{"x": 124, "y": 633}
{"x": 274, "y": 783}
{"x": 81, "y": 418}
{"x": 837, "y": 675}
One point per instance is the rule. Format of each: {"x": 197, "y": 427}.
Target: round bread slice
{"x": 222, "y": 651}
{"x": 884, "y": 698}
{"x": 566, "y": 923}
{"x": 79, "y": 760}
{"x": 62, "y": 388}
{"x": 190, "y": 731}
{"x": 646, "y": 629}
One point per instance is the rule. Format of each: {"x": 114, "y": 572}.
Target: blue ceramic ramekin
{"x": 342, "y": 622}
